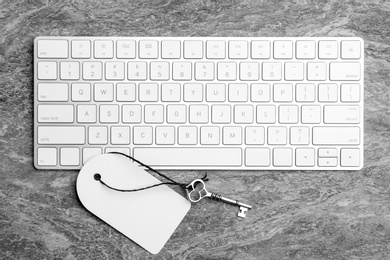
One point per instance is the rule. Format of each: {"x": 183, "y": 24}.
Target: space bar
{"x": 189, "y": 156}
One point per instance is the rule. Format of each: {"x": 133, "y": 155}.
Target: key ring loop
{"x": 194, "y": 194}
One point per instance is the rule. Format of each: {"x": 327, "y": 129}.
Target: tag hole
{"x": 97, "y": 176}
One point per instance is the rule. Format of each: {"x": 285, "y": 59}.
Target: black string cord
{"x": 98, "y": 177}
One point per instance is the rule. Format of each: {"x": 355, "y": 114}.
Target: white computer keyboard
{"x": 200, "y": 103}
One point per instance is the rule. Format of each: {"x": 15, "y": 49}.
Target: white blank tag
{"x": 147, "y": 217}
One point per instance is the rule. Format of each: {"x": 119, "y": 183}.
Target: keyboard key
{"x": 277, "y": 135}
{"x": 170, "y": 92}
{"x": 266, "y": 114}
{"x": 142, "y": 135}
{"x": 209, "y": 135}
{"x": 109, "y": 114}
{"x": 90, "y": 152}
{"x": 327, "y": 92}
{"x": 327, "y": 152}
{"x": 193, "y": 49}
{"x": 92, "y": 70}
{"x": 299, "y": 135}
{"x": 257, "y": 157}
{"x": 126, "y": 49}
{"x": 115, "y": 70}
{"x": 70, "y": 156}
{"x": 221, "y": 114}
{"x": 215, "y": 49}
{"x": 199, "y": 114}
{"x": 261, "y": 49}
{"x": 327, "y": 162}
{"x": 103, "y": 92}
{"x": 288, "y": 114}
{"x": 238, "y": 92}
{"x": 227, "y": 71}
{"x": 272, "y": 71}
{"x": 52, "y": 92}
{"x": 86, "y": 114}
{"x": 283, "y": 49}
{"x": 316, "y": 71}
{"x": 243, "y": 114}
{"x": 345, "y": 71}
{"x": 350, "y": 92}
{"x": 193, "y": 92}
{"x": 182, "y": 70}
{"x": 304, "y": 157}
{"x": 260, "y": 92}
{"x": 81, "y": 49}
{"x": 61, "y": 135}
{"x": 97, "y": 135}
{"x": 55, "y": 113}
{"x": 165, "y": 135}
{"x": 341, "y": 114}
{"x": 293, "y": 71}
{"x": 188, "y": 135}
{"x": 120, "y": 135}
{"x": 81, "y": 92}
{"x": 170, "y": 49}
{"x": 249, "y": 71}
{"x": 125, "y": 92}
{"x": 148, "y": 92}
{"x": 334, "y": 135}
{"x": 350, "y": 157}
{"x": 47, "y": 70}
{"x": 204, "y": 71}
{"x": 69, "y": 70}
{"x": 327, "y": 49}
{"x": 215, "y": 92}
{"x": 103, "y": 49}
{"x": 131, "y": 114}
{"x": 282, "y": 157}
{"x": 305, "y": 92}
{"x": 48, "y": 49}
{"x": 47, "y": 156}
{"x": 305, "y": 49}
{"x": 283, "y": 92}
{"x": 311, "y": 114}
{"x": 254, "y": 135}
{"x": 148, "y": 49}
{"x": 154, "y": 114}
{"x": 118, "y": 150}
{"x": 159, "y": 70}
{"x": 350, "y": 49}
{"x": 232, "y": 135}
{"x": 137, "y": 70}
{"x": 177, "y": 114}
{"x": 238, "y": 49}
{"x": 189, "y": 156}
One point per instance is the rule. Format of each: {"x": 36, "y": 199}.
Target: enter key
{"x": 341, "y": 114}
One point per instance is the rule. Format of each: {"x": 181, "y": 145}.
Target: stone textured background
{"x": 296, "y": 215}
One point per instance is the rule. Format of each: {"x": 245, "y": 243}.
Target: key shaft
{"x": 218, "y": 197}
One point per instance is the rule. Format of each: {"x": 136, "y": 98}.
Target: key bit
{"x": 242, "y": 213}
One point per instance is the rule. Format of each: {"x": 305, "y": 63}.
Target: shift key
{"x": 61, "y": 135}
{"x": 334, "y": 135}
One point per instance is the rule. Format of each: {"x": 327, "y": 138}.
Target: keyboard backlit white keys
{"x": 49, "y": 49}
{"x": 126, "y": 49}
{"x": 52, "y": 92}
{"x": 81, "y": 49}
{"x": 200, "y": 103}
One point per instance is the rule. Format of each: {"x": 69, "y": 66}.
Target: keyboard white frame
{"x": 242, "y": 167}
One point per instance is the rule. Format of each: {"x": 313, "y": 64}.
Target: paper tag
{"x": 147, "y": 217}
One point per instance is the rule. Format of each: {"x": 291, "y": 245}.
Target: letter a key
{"x": 196, "y": 191}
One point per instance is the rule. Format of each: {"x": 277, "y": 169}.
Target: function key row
{"x": 198, "y": 49}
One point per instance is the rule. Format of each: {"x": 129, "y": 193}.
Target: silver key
{"x": 195, "y": 193}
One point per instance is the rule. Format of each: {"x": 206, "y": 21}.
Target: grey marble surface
{"x": 296, "y": 215}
